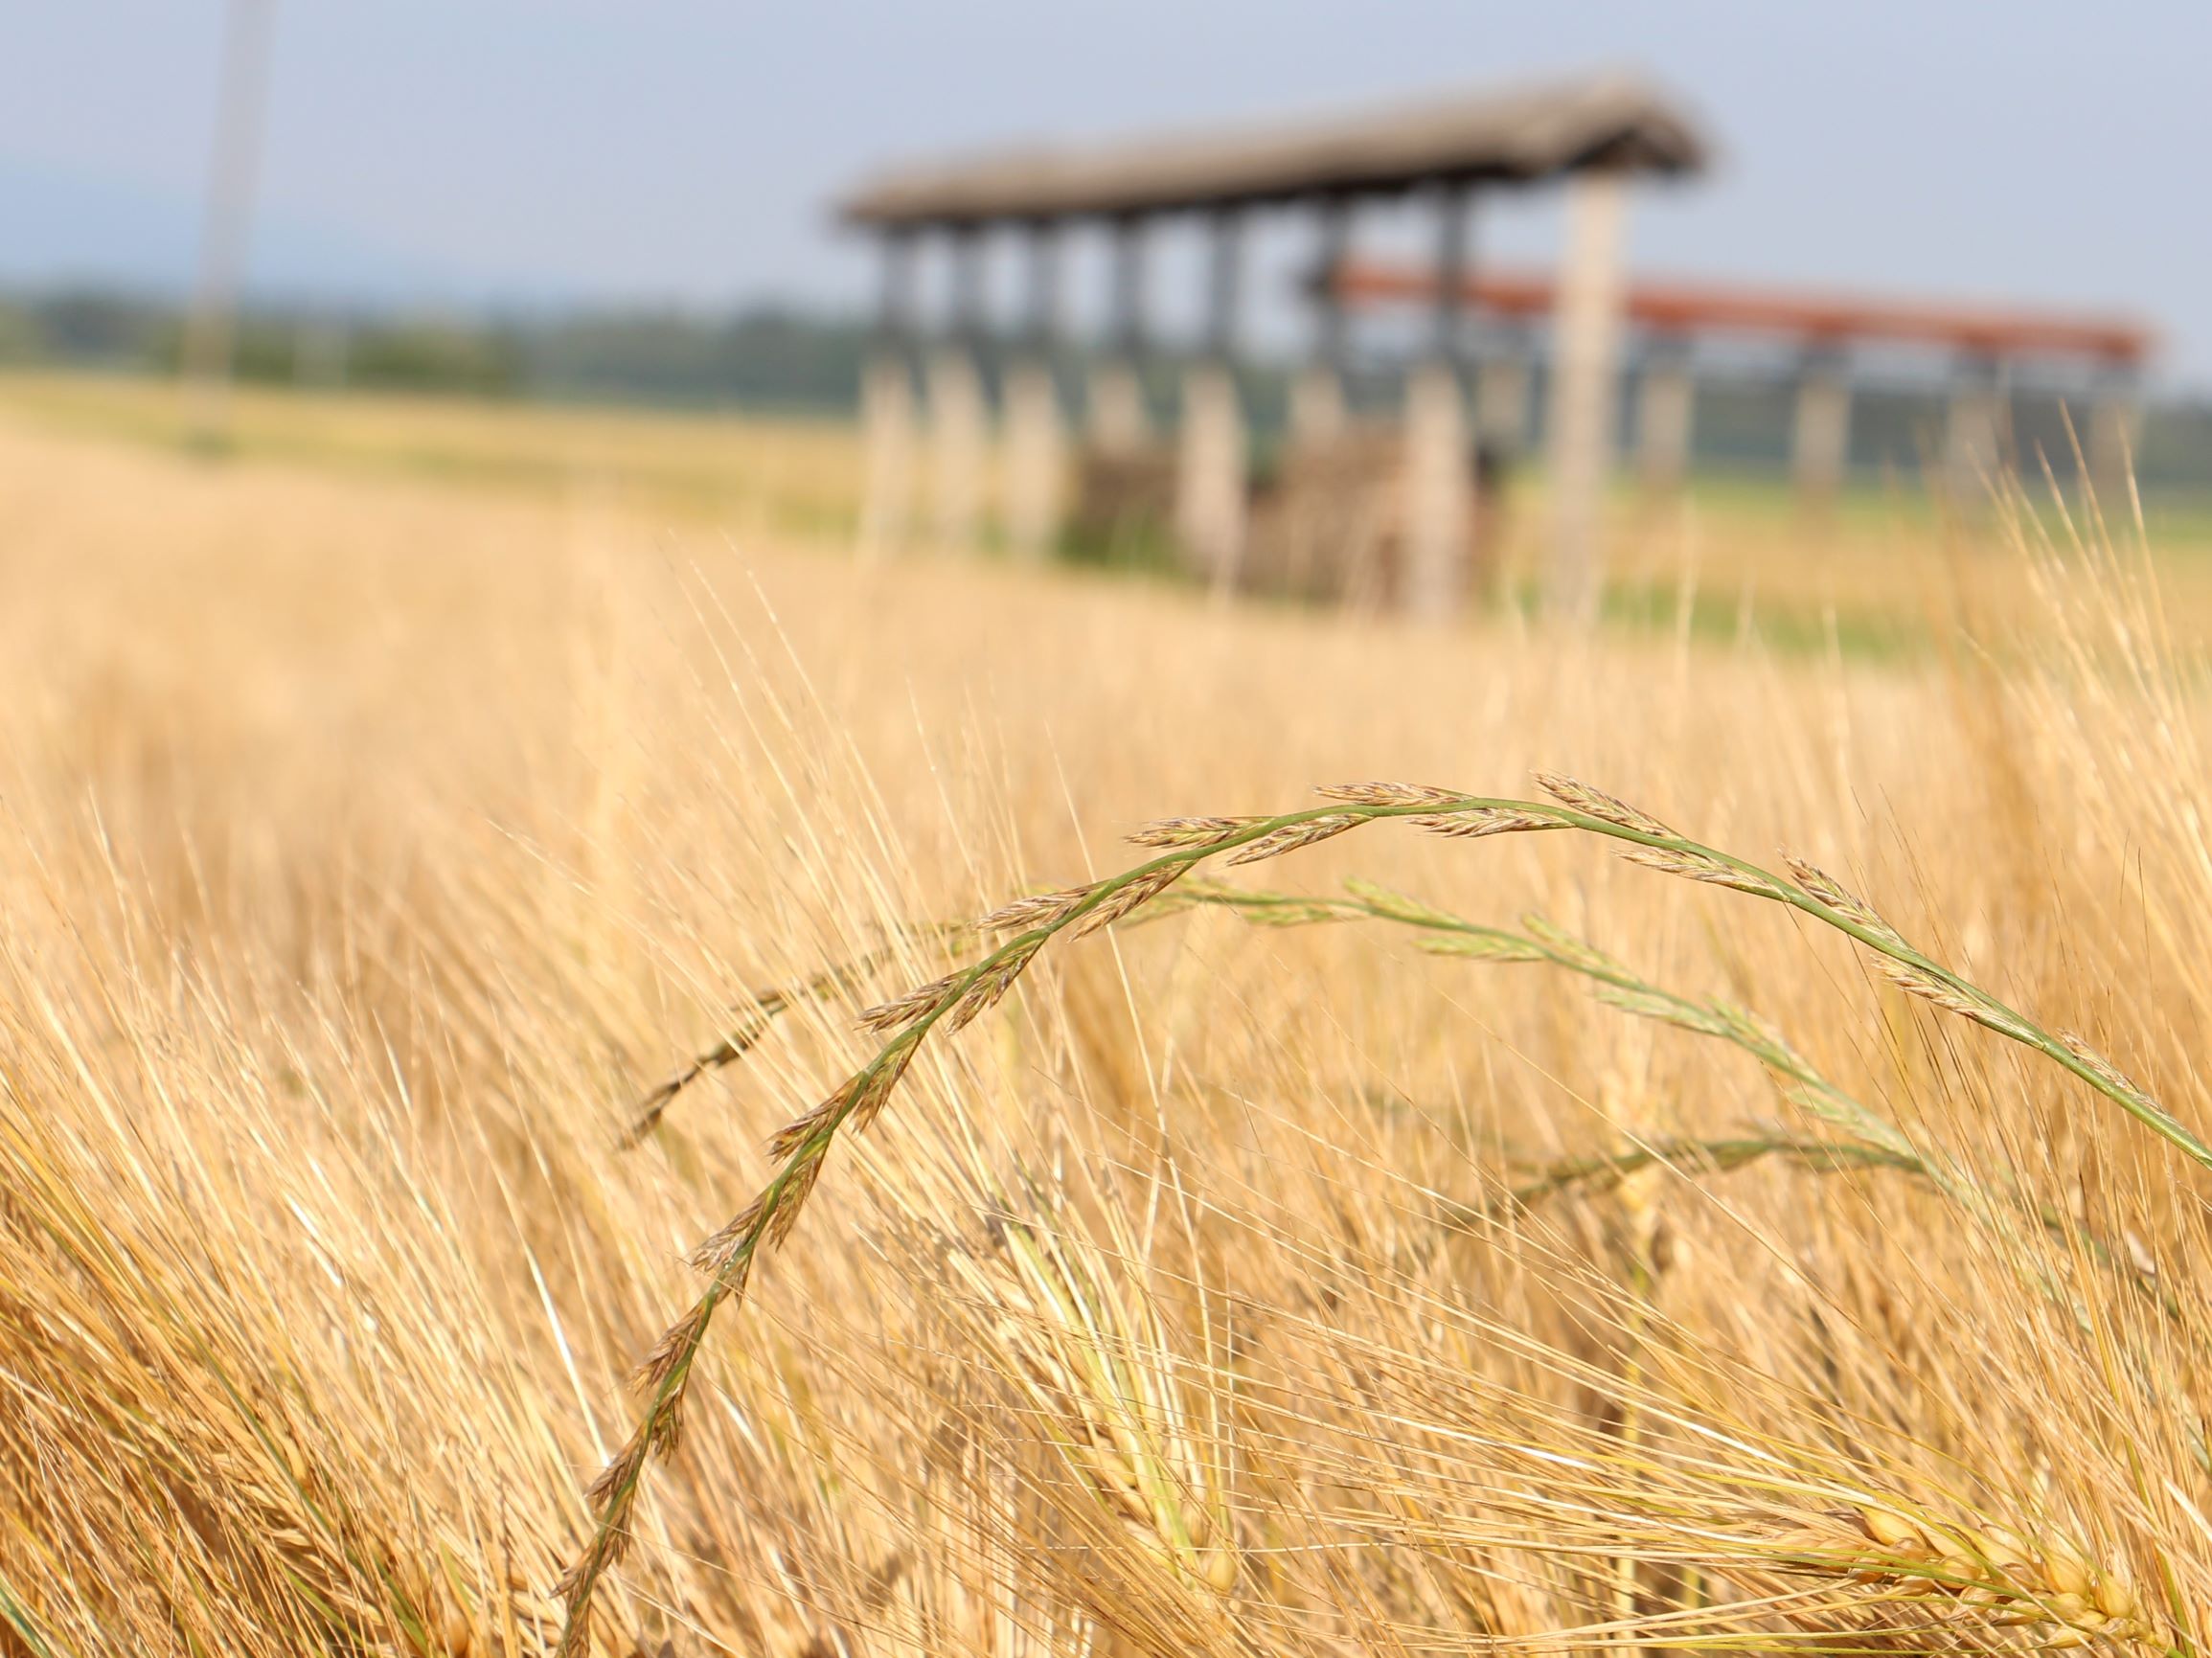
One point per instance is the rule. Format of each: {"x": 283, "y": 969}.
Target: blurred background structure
{"x": 1978, "y": 352}
{"x": 1596, "y": 134}
{"x": 1388, "y": 359}
{"x": 1389, "y": 511}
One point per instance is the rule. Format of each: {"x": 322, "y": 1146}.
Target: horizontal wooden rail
{"x": 1671, "y": 306}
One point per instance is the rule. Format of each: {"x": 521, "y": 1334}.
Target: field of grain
{"x": 1523, "y": 1248}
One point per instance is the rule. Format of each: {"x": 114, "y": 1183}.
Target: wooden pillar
{"x": 1118, "y": 422}
{"x": 1318, "y": 396}
{"x": 1438, "y": 509}
{"x": 1438, "y": 502}
{"x": 1210, "y": 467}
{"x": 958, "y": 418}
{"x": 1035, "y": 457}
{"x": 2116, "y": 425}
{"x": 1665, "y": 414}
{"x": 1820, "y": 435}
{"x": 1584, "y": 356}
{"x": 887, "y": 408}
{"x": 1973, "y": 437}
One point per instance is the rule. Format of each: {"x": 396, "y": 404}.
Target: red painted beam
{"x": 1689, "y": 307}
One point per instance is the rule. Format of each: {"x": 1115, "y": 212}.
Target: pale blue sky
{"x": 680, "y": 149}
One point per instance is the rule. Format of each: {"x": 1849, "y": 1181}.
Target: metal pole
{"x": 234, "y": 161}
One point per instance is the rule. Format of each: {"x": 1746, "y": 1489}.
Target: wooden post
{"x": 887, "y": 408}
{"x": 1584, "y": 351}
{"x": 1820, "y": 437}
{"x": 1666, "y": 415}
{"x": 1210, "y": 470}
{"x": 1438, "y": 500}
{"x": 1035, "y": 453}
{"x": 1118, "y": 422}
{"x": 957, "y": 414}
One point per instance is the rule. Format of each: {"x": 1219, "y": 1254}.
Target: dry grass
{"x": 373, "y": 845}
{"x": 1884, "y": 573}
{"x": 790, "y": 476}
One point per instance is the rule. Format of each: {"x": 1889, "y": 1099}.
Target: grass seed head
{"x": 1291, "y": 837}
{"x": 1124, "y": 900}
{"x": 1818, "y": 884}
{"x": 903, "y": 1011}
{"x": 803, "y": 1129}
{"x": 870, "y": 1089}
{"x": 1489, "y": 819}
{"x": 1389, "y": 794}
{"x": 676, "y": 1345}
{"x": 1173, "y": 834}
{"x": 798, "y": 1186}
{"x": 1596, "y": 802}
{"x": 1487, "y": 947}
{"x": 1697, "y": 866}
{"x": 993, "y": 982}
{"x": 1041, "y": 910}
{"x": 1916, "y": 981}
{"x": 1994, "y": 1574}
{"x": 2078, "y": 1047}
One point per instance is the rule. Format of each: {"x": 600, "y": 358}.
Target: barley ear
{"x": 1596, "y": 802}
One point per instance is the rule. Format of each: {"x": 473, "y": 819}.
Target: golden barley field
{"x": 1524, "y": 1247}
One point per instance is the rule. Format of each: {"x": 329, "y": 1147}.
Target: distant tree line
{"x": 763, "y": 357}
{"x": 784, "y": 359}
